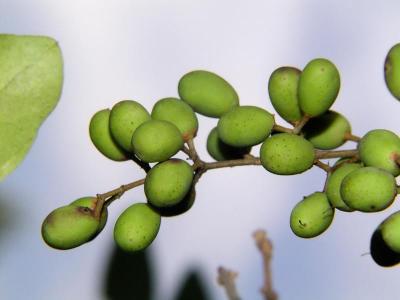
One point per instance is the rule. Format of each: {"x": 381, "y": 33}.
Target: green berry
{"x": 221, "y": 151}
{"x": 287, "y": 154}
{"x": 311, "y": 216}
{"x": 282, "y": 88}
{"x": 245, "y": 126}
{"x": 334, "y": 182}
{"x": 381, "y": 253}
{"x": 392, "y": 71}
{"x": 156, "y": 140}
{"x": 168, "y": 182}
{"x": 319, "y": 86}
{"x": 69, "y": 226}
{"x": 100, "y": 135}
{"x": 125, "y": 117}
{"x": 178, "y": 113}
{"x": 327, "y": 131}
{"x": 208, "y": 93}
{"x": 181, "y": 207}
{"x": 136, "y": 227}
{"x": 368, "y": 189}
{"x": 380, "y": 148}
{"x": 90, "y": 202}
{"x": 390, "y": 229}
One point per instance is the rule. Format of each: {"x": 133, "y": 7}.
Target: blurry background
{"x": 116, "y": 50}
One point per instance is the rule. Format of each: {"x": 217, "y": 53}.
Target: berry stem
{"x": 248, "y": 160}
{"x": 226, "y": 278}
{"x": 265, "y": 247}
{"x": 145, "y": 166}
{"x": 279, "y": 128}
{"x": 299, "y": 126}
{"x": 348, "y": 136}
{"x": 322, "y": 165}
{"x": 335, "y": 154}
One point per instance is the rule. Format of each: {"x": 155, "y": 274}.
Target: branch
{"x": 145, "y": 166}
{"x": 322, "y": 165}
{"x": 113, "y": 194}
{"x": 265, "y": 247}
{"x": 247, "y": 161}
{"x": 348, "y": 136}
{"x": 319, "y": 154}
{"x": 299, "y": 126}
{"x": 192, "y": 151}
{"x": 226, "y": 278}
{"x": 279, "y": 128}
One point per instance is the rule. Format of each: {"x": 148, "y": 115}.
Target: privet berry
{"x": 392, "y": 71}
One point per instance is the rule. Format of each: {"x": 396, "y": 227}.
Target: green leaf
{"x": 31, "y": 76}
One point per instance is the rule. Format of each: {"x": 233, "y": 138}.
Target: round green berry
{"x": 125, "y": 117}
{"x": 282, "y": 89}
{"x": 136, "y": 227}
{"x": 392, "y": 71}
{"x": 390, "y": 229}
{"x": 178, "y": 113}
{"x": 90, "y": 202}
{"x": 311, "y": 216}
{"x": 168, "y": 182}
{"x": 287, "y": 154}
{"x": 368, "y": 189}
{"x": 381, "y": 253}
{"x": 245, "y": 126}
{"x": 380, "y": 148}
{"x": 319, "y": 86}
{"x": 208, "y": 93}
{"x": 156, "y": 140}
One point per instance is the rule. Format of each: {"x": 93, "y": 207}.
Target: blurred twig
{"x": 226, "y": 278}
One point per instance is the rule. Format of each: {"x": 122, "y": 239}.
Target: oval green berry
{"x": 69, "y": 226}
{"x": 90, "y": 202}
{"x": 334, "y": 182}
{"x": 100, "y": 135}
{"x": 381, "y": 253}
{"x": 392, "y": 71}
{"x": 168, "y": 182}
{"x": 181, "y": 207}
{"x": 178, "y": 113}
{"x": 136, "y": 227}
{"x": 282, "y": 89}
{"x": 311, "y": 216}
{"x": 287, "y": 154}
{"x": 380, "y": 148}
{"x": 319, "y": 86}
{"x": 327, "y": 131}
{"x": 208, "y": 93}
{"x": 221, "y": 151}
{"x": 245, "y": 126}
{"x": 156, "y": 140}
{"x": 368, "y": 189}
{"x": 125, "y": 117}
{"x": 390, "y": 229}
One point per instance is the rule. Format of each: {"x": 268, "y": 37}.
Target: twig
{"x": 322, "y": 165}
{"x": 279, "y": 128}
{"x": 265, "y": 247}
{"x": 226, "y": 278}
{"x": 335, "y": 154}
{"x": 348, "y": 136}
{"x": 247, "y": 161}
{"x": 114, "y": 194}
{"x": 185, "y": 150}
{"x": 145, "y": 166}
{"x": 299, "y": 126}
{"x": 192, "y": 150}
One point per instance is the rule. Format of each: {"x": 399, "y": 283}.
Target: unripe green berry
{"x": 125, "y": 117}
{"x": 282, "y": 89}
{"x": 319, "y": 86}
{"x": 311, "y": 216}
{"x": 69, "y": 226}
{"x": 221, "y": 151}
{"x": 287, "y": 154}
{"x": 90, "y": 202}
{"x": 100, "y": 135}
{"x": 390, "y": 229}
{"x": 368, "y": 189}
{"x": 245, "y": 126}
{"x": 208, "y": 93}
{"x": 180, "y": 208}
{"x": 178, "y": 113}
{"x": 167, "y": 183}
{"x": 156, "y": 140}
{"x": 392, "y": 71}
{"x": 380, "y": 148}
{"x": 136, "y": 227}
{"x": 381, "y": 253}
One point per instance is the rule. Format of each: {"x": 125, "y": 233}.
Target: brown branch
{"x": 185, "y": 150}
{"x": 322, "y": 165}
{"x": 145, "y": 166}
{"x": 348, "y": 136}
{"x": 226, "y": 278}
{"x": 319, "y": 154}
{"x": 114, "y": 194}
{"x": 192, "y": 150}
{"x": 265, "y": 247}
{"x": 247, "y": 161}
{"x": 299, "y": 126}
{"x": 279, "y": 128}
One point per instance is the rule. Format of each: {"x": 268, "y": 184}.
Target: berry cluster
{"x": 363, "y": 179}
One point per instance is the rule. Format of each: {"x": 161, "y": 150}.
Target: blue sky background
{"x": 116, "y": 50}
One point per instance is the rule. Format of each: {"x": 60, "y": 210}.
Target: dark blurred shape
{"x": 193, "y": 288}
{"x": 129, "y": 276}
{"x": 381, "y": 253}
